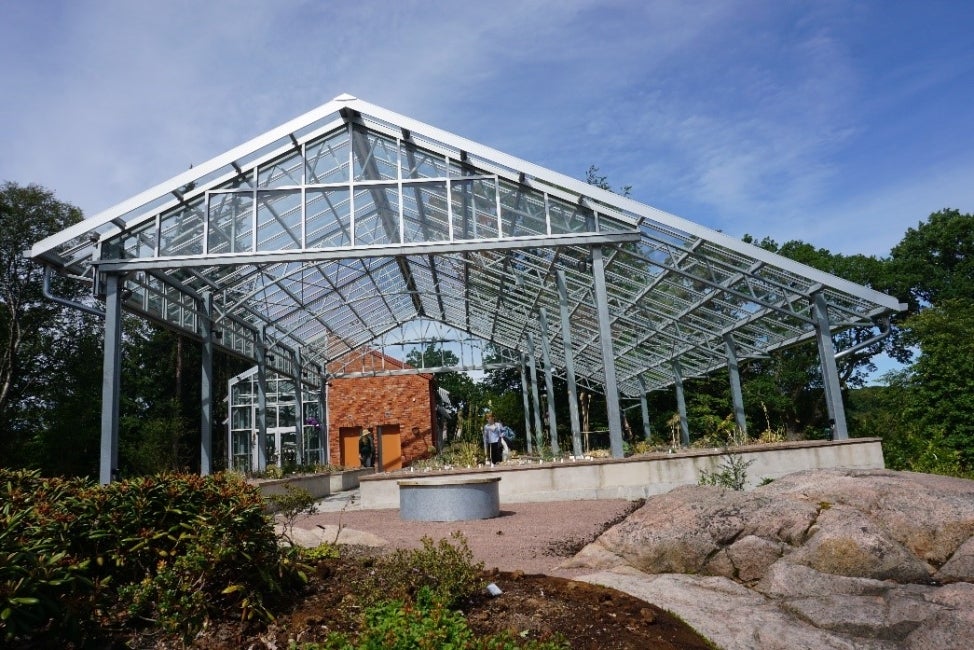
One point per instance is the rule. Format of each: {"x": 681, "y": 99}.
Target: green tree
{"x": 36, "y": 334}
{"x": 942, "y": 396}
{"x": 933, "y": 268}
{"x": 934, "y": 262}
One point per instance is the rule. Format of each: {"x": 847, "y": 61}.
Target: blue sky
{"x": 836, "y": 122}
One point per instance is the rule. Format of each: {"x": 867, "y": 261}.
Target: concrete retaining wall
{"x": 642, "y": 476}
{"x": 318, "y": 485}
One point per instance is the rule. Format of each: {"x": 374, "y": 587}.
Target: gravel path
{"x": 526, "y": 536}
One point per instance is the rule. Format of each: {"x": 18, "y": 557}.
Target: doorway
{"x": 390, "y": 448}
{"x": 348, "y": 446}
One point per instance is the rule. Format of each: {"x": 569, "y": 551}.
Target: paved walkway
{"x": 340, "y": 501}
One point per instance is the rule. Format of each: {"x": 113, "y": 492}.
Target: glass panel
{"x": 285, "y": 390}
{"x": 182, "y": 230}
{"x": 279, "y": 220}
{"x": 243, "y": 392}
{"x": 311, "y": 413}
{"x": 522, "y": 210}
{"x": 240, "y": 442}
{"x": 289, "y": 448}
{"x": 569, "y": 217}
{"x": 418, "y": 163}
{"x": 240, "y": 417}
{"x": 286, "y": 170}
{"x": 424, "y": 212}
{"x": 474, "y": 209}
{"x": 231, "y": 222}
{"x": 140, "y": 243}
{"x": 329, "y": 222}
{"x": 375, "y": 157}
{"x": 328, "y": 160}
{"x": 376, "y": 216}
{"x": 285, "y": 415}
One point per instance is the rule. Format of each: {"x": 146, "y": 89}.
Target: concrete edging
{"x": 637, "y": 477}
{"x": 317, "y": 485}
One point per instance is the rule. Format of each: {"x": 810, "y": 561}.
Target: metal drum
{"x": 454, "y": 499}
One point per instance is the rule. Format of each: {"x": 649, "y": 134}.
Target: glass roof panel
{"x": 277, "y": 216}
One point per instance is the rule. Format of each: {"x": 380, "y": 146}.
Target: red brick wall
{"x": 404, "y": 400}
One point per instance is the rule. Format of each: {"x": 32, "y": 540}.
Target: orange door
{"x": 349, "y": 446}
{"x": 391, "y": 447}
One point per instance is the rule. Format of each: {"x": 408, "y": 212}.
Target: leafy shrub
{"x": 295, "y": 501}
{"x": 446, "y": 569}
{"x": 42, "y": 588}
{"x": 731, "y": 473}
{"x": 170, "y": 549}
{"x": 323, "y": 551}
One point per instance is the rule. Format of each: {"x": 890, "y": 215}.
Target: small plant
{"x": 290, "y": 505}
{"x": 642, "y": 447}
{"x": 425, "y": 624}
{"x": 323, "y": 551}
{"x": 731, "y": 473}
{"x": 770, "y": 435}
{"x": 446, "y": 568}
{"x": 462, "y": 454}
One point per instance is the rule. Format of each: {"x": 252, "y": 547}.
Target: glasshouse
{"x": 352, "y": 227}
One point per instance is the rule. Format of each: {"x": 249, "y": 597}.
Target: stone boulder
{"x": 822, "y": 558}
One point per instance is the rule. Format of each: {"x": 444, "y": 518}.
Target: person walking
{"x": 493, "y": 431}
{"x": 366, "y": 448}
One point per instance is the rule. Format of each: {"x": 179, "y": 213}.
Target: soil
{"x": 522, "y": 550}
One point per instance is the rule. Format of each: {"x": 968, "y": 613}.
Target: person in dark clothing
{"x": 366, "y": 448}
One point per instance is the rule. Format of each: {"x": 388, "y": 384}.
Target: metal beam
{"x": 681, "y": 404}
{"x": 360, "y": 252}
{"x": 261, "y": 350}
{"x": 534, "y": 394}
{"x": 549, "y": 384}
{"x": 206, "y": 386}
{"x": 111, "y": 379}
{"x": 644, "y": 409}
{"x": 830, "y": 373}
{"x": 566, "y": 335}
{"x": 526, "y": 404}
{"x": 614, "y": 413}
{"x": 737, "y": 396}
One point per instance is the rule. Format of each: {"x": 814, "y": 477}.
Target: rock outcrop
{"x": 816, "y": 559}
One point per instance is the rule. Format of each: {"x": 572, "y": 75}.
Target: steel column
{"x": 111, "y": 379}
{"x": 566, "y": 337}
{"x": 206, "y": 387}
{"x": 644, "y": 408}
{"x": 527, "y": 404}
{"x": 830, "y": 372}
{"x": 737, "y": 396}
{"x": 534, "y": 393}
{"x": 298, "y": 408}
{"x": 261, "y": 353}
{"x": 548, "y": 382}
{"x": 681, "y": 405}
{"x": 613, "y": 411}
{"x": 323, "y": 409}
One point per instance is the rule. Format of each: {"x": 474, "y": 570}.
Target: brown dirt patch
{"x": 521, "y": 550}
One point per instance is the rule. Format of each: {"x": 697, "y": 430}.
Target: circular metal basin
{"x": 453, "y": 499}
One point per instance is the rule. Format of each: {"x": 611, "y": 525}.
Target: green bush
{"x": 732, "y": 473}
{"x": 169, "y": 550}
{"x": 446, "y": 569}
{"x": 426, "y": 624}
{"x": 42, "y": 588}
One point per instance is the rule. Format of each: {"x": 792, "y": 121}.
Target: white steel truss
{"x": 340, "y": 228}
